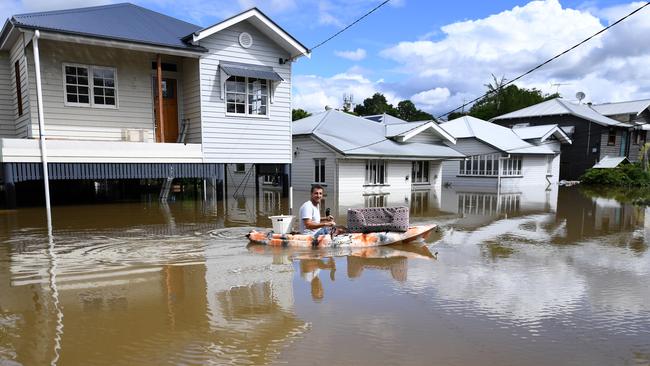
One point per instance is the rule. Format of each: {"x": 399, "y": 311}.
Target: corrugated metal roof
{"x": 356, "y": 136}
{"x": 609, "y": 162}
{"x": 387, "y": 119}
{"x": 125, "y": 22}
{"x": 499, "y": 137}
{"x": 557, "y": 107}
{"x": 541, "y": 132}
{"x": 398, "y": 129}
{"x": 630, "y": 107}
{"x": 251, "y": 72}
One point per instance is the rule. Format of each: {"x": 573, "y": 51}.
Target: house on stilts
{"x": 123, "y": 92}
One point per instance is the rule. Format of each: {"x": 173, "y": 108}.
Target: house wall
{"x": 237, "y": 139}
{"x": 611, "y": 150}
{"x": 134, "y": 93}
{"x": 22, "y": 124}
{"x": 579, "y": 156}
{"x": 191, "y": 99}
{"x": 302, "y": 169}
{"x": 7, "y": 96}
{"x": 451, "y": 168}
{"x": 352, "y": 175}
{"x": 426, "y": 137}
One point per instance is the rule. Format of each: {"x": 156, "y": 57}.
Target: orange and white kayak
{"x": 342, "y": 240}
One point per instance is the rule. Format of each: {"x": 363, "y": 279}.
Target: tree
{"x": 407, "y": 111}
{"x": 299, "y": 113}
{"x": 377, "y": 104}
{"x": 501, "y": 100}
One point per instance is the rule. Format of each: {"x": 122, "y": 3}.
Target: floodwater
{"x": 535, "y": 277}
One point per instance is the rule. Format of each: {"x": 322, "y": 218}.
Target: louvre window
{"x": 319, "y": 170}
{"x": 488, "y": 165}
{"x": 375, "y": 172}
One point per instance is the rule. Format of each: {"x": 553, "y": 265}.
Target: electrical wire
{"x": 550, "y": 59}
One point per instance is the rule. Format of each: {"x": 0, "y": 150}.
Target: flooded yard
{"x": 533, "y": 277}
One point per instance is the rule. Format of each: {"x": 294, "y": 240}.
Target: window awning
{"x": 251, "y": 73}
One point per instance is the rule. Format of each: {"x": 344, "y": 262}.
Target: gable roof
{"x": 499, "y": 137}
{"x": 402, "y": 132}
{"x": 542, "y": 133}
{"x": 261, "y": 22}
{"x": 357, "y": 136}
{"x": 557, "y": 107}
{"x": 630, "y": 107}
{"x": 124, "y": 22}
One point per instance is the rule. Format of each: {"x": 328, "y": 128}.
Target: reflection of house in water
{"x": 586, "y": 216}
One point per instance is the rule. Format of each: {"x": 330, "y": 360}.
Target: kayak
{"x": 342, "y": 240}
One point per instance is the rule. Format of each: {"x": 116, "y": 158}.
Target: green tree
{"x": 298, "y": 113}
{"x": 500, "y": 100}
{"x": 407, "y": 111}
{"x": 377, "y": 104}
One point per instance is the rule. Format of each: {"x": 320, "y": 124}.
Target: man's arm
{"x": 312, "y": 225}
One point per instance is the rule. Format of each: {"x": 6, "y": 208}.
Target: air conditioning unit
{"x": 134, "y": 134}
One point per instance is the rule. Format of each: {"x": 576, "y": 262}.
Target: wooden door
{"x": 170, "y": 110}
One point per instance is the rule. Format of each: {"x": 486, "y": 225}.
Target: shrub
{"x": 624, "y": 175}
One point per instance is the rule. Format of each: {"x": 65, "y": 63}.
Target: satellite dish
{"x": 580, "y": 96}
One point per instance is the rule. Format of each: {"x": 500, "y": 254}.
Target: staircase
{"x": 167, "y": 183}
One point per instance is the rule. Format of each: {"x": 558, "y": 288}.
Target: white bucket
{"x": 281, "y": 223}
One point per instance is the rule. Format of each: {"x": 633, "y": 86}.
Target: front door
{"x": 170, "y": 110}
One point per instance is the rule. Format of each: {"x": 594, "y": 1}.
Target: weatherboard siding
{"x": 239, "y": 139}
{"x": 610, "y": 150}
{"x": 302, "y": 168}
{"x": 21, "y": 123}
{"x": 425, "y": 137}
{"x": 7, "y": 96}
{"x": 191, "y": 99}
{"x": 134, "y": 93}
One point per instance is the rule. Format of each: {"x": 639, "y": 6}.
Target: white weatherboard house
{"x": 502, "y": 157}
{"x": 88, "y": 80}
{"x": 355, "y": 157}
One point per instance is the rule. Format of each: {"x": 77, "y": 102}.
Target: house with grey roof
{"x": 497, "y": 156}
{"x": 350, "y": 153}
{"x": 120, "y": 91}
{"x": 594, "y": 135}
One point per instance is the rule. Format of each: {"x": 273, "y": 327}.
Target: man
{"x": 310, "y": 221}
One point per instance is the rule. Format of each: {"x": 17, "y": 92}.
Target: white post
{"x": 41, "y": 130}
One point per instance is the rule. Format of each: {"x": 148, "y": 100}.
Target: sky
{"x": 434, "y": 53}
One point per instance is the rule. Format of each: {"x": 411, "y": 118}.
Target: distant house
{"x": 502, "y": 157}
{"x": 349, "y": 153}
{"x": 636, "y": 112}
{"x": 131, "y": 93}
{"x": 593, "y": 134}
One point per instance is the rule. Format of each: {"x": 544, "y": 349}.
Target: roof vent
{"x": 245, "y": 39}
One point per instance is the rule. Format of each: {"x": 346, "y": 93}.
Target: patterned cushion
{"x": 366, "y": 220}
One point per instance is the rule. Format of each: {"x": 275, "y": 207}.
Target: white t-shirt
{"x": 308, "y": 211}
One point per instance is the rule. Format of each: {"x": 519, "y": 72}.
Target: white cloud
{"x": 608, "y": 68}
{"x": 313, "y": 93}
{"x": 356, "y": 55}
{"x": 431, "y": 97}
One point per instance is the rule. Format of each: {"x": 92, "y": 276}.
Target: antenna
{"x": 348, "y": 101}
{"x": 558, "y": 85}
{"x": 580, "y": 96}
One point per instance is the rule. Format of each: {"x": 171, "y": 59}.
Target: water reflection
{"x": 541, "y": 276}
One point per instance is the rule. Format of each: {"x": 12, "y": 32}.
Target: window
{"x": 549, "y": 164}
{"x": 268, "y": 179}
{"x": 375, "y": 200}
{"x": 240, "y": 168}
{"x": 611, "y": 139}
{"x": 639, "y": 137}
{"x": 247, "y": 96}
{"x": 19, "y": 89}
{"x": 420, "y": 172}
{"x": 375, "y": 172}
{"x": 488, "y": 165}
{"x": 90, "y": 86}
{"x": 319, "y": 170}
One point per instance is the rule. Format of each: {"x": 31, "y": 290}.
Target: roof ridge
{"x": 71, "y": 10}
{"x": 627, "y": 101}
{"x": 563, "y": 105}
{"x": 469, "y": 128}
{"x": 325, "y": 114}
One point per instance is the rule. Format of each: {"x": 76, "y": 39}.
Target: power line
{"x": 550, "y": 59}
{"x": 350, "y": 25}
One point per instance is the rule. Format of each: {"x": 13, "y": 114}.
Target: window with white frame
{"x": 420, "y": 172}
{"x": 375, "y": 172}
{"x": 319, "y": 170}
{"x": 488, "y": 165}
{"x": 268, "y": 179}
{"x": 90, "y": 86}
{"x": 247, "y": 96}
{"x": 240, "y": 168}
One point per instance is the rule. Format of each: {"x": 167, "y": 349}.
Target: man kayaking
{"x": 310, "y": 220}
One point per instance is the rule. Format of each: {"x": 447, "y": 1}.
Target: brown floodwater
{"x": 537, "y": 277}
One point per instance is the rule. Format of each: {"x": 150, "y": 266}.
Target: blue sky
{"x": 437, "y": 54}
